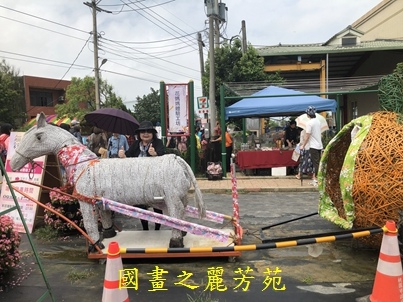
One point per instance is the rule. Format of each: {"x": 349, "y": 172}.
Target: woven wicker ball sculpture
{"x": 361, "y": 174}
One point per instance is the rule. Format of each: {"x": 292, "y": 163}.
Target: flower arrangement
{"x": 66, "y": 205}
{"x": 9, "y": 243}
{"x": 214, "y": 168}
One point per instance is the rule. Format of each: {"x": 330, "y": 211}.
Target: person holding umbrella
{"x": 147, "y": 145}
{"x": 313, "y": 136}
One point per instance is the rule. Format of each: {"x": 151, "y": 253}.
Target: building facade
{"x": 347, "y": 66}
{"x": 43, "y": 94}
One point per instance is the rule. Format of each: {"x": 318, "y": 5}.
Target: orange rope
{"x": 54, "y": 211}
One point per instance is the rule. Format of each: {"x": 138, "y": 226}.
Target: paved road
{"x": 342, "y": 272}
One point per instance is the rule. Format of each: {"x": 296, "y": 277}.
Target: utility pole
{"x": 213, "y": 111}
{"x": 216, "y": 12}
{"x": 244, "y": 41}
{"x": 201, "y": 45}
{"x": 96, "y": 66}
{"x": 94, "y": 8}
{"x": 217, "y": 33}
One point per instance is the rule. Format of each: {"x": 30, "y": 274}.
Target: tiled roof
{"x": 300, "y": 49}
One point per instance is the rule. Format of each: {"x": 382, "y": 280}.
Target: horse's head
{"x": 42, "y": 139}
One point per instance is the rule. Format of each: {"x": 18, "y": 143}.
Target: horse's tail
{"x": 198, "y": 195}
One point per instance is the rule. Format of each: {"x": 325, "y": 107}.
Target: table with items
{"x": 257, "y": 159}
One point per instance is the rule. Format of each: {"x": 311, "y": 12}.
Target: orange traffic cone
{"x": 113, "y": 292}
{"x": 388, "y": 284}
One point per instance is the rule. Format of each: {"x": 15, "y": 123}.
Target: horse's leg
{"x": 90, "y": 220}
{"x": 184, "y": 201}
{"x": 107, "y": 224}
{"x": 175, "y": 209}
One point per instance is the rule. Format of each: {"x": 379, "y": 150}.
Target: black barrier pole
{"x": 294, "y": 219}
{"x": 254, "y": 247}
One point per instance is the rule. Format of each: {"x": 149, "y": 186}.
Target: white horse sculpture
{"x": 133, "y": 181}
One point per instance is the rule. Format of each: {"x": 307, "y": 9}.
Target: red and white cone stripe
{"x": 388, "y": 284}
{"x": 113, "y": 291}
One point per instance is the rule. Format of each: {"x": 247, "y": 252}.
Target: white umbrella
{"x": 303, "y": 119}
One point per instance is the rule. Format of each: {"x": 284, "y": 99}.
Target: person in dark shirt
{"x": 148, "y": 144}
{"x": 291, "y": 134}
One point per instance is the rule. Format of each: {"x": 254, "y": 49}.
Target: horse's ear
{"x": 40, "y": 120}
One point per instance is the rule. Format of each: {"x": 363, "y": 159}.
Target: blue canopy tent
{"x": 277, "y": 101}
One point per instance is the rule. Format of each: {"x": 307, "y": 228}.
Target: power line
{"x": 37, "y": 58}
{"x": 53, "y": 31}
{"x": 161, "y": 55}
{"x": 131, "y": 10}
{"x": 149, "y": 63}
{"x": 43, "y": 19}
{"x": 157, "y": 41}
{"x": 158, "y": 21}
{"x": 72, "y": 64}
{"x": 42, "y": 63}
{"x": 135, "y": 69}
{"x": 176, "y": 64}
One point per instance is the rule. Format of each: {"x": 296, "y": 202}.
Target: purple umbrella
{"x": 113, "y": 120}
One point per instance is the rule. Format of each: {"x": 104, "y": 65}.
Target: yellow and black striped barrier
{"x": 254, "y": 247}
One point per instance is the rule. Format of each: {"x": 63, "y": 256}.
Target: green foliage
{"x": 81, "y": 98}
{"x": 391, "y": 90}
{"x": 76, "y": 276}
{"x": 78, "y": 93}
{"x": 231, "y": 65}
{"x": 147, "y": 108}
{"x": 46, "y": 233}
{"x": 12, "y": 106}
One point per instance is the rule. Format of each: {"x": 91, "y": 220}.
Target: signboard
{"x": 35, "y": 175}
{"x": 178, "y": 109}
{"x": 203, "y": 104}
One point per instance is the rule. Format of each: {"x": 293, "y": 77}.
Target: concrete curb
{"x": 255, "y": 184}
{"x": 255, "y": 190}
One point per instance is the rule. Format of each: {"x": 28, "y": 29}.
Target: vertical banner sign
{"x": 178, "y": 109}
{"x": 28, "y": 208}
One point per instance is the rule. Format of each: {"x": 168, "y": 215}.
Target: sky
{"x": 149, "y": 41}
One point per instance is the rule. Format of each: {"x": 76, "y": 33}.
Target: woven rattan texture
{"x": 334, "y": 164}
{"x": 378, "y": 175}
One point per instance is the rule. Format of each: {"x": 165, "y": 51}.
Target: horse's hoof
{"x": 176, "y": 242}
{"x": 92, "y": 247}
{"x": 109, "y": 233}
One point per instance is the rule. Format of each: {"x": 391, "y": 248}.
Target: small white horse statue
{"x": 133, "y": 181}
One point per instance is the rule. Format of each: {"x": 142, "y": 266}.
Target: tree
{"x": 12, "y": 106}
{"x": 231, "y": 65}
{"x": 147, "y": 108}
{"x": 80, "y": 95}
